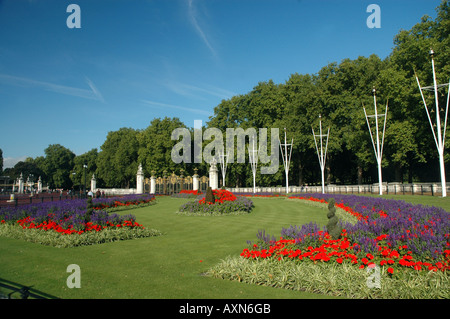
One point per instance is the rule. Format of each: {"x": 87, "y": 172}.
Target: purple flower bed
{"x": 425, "y": 229}
{"x": 71, "y": 212}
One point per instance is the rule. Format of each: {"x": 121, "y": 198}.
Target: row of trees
{"x": 337, "y": 93}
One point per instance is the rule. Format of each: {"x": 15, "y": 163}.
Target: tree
{"x": 117, "y": 161}
{"x": 409, "y": 57}
{"x": 78, "y": 172}
{"x": 155, "y": 147}
{"x": 58, "y": 166}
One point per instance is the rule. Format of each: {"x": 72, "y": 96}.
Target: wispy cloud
{"x": 93, "y": 93}
{"x": 183, "y": 108}
{"x": 193, "y": 17}
{"x": 95, "y": 90}
{"x": 193, "y": 91}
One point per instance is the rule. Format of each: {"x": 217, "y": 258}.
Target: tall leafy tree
{"x": 117, "y": 161}
{"x": 155, "y": 147}
{"x": 58, "y": 165}
{"x": 79, "y": 172}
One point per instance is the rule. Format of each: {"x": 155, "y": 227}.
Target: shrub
{"x": 209, "y": 198}
{"x": 222, "y": 206}
{"x": 333, "y": 228}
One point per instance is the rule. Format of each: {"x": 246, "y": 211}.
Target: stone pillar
{"x": 140, "y": 180}
{"x": 195, "y": 181}
{"x": 21, "y": 184}
{"x": 93, "y": 183}
{"x": 39, "y": 190}
{"x": 153, "y": 183}
{"x": 213, "y": 175}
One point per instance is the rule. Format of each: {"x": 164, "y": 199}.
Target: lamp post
{"x": 85, "y": 166}
{"x": 286, "y": 158}
{"x": 377, "y": 147}
{"x": 321, "y": 155}
{"x": 223, "y": 159}
{"x": 73, "y": 179}
{"x": 439, "y": 135}
{"x": 253, "y": 157}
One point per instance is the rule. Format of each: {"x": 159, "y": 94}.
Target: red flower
{"x": 390, "y": 270}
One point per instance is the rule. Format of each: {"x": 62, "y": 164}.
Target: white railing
{"x": 433, "y": 189}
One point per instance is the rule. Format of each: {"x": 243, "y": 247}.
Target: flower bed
{"x": 407, "y": 245}
{"x": 388, "y": 233}
{"x": 187, "y": 194}
{"x": 220, "y": 196}
{"x": 70, "y": 217}
{"x": 225, "y": 203}
{"x": 128, "y": 201}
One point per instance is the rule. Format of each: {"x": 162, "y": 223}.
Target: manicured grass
{"x": 168, "y": 266}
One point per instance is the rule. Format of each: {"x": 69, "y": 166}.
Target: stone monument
{"x": 21, "y": 185}
{"x": 39, "y": 185}
{"x": 153, "y": 183}
{"x": 213, "y": 175}
{"x": 195, "y": 181}
{"x": 140, "y": 180}
{"x": 93, "y": 183}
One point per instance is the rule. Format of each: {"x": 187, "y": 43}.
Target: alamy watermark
{"x": 374, "y": 19}
{"x": 74, "y": 19}
{"x": 74, "y": 280}
{"x": 182, "y": 151}
{"x": 374, "y": 278}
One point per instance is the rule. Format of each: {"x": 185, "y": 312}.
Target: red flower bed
{"x": 342, "y": 206}
{"x": 221, "y": 196}
{"x": 190, "y": 192}
{"x": 28, "y": 223}
{"x": 341, "y": 250}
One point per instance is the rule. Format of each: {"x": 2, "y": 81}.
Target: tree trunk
{"x": 300, "y": 174}
{"x": 360, "y": 174}
{"x": 328, "y": 172}
{"x": 399, "y": 173}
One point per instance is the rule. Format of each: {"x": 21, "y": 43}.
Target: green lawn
{"x": 169, "y": 266}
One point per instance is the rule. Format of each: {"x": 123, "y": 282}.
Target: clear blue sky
{"x": 135, "y": 60}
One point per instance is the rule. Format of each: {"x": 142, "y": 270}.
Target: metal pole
{"x": 286, "y": 158}
{"x": 253, "y": 163}
{"x": 378, "y": 149}
{"x": 438, "y": 128}
{"x": 223, "y": 165}
{"x": 439, "y": 137}
{"x": 85, "y": 166}
{"x": 321, "y": 155}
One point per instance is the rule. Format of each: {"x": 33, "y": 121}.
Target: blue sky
{"x": 135, "y": 60}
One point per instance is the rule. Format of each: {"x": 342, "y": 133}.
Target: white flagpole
{"x": 321, "y": 155}
{"x": 439, "y": 136}
{"x": 378, "y": 149}
{"x": 286, "y": 158}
